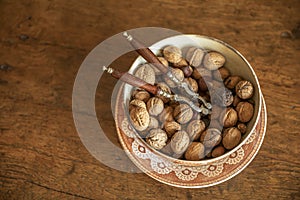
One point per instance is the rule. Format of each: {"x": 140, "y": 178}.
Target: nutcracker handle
{"x": 135, "y": 81}
{"x": 146, "y": 53}
{"x": 132, "y": 80}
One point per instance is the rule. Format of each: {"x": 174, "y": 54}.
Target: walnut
{"x": 157, "y": 138}
{"x": 146, "y": 73}
{"x": 218, "y": 151}
{"x": 195, "y": 151}
{"x": 221, "y": 96}
{"x": 195, "y": 56}
{"x": 167, "y": 149}
{"x": 136, "y": 103}
{"x": 231, "y": 81}
{"x": 221, "y": 74}
{"x": 231, "y": 137}
{"x": 153, "y": 123}
{"x": 217, "y": 111}
{"x": 166, "y": 115}
{"x": 213, "y": 60}
{"x": 172, "y": 54}
{"x": 244, "y": 89}
{"x": 172, "y": 127}
{"x": 236, "y": 100}
{"x": 242, "y": 127}
{"x": 182, "y": 63}
{"x": 195, "y": 128}
{"x": 140, "y": 118}
{"x": 229, "y": 118}
{"x": 245, "y": 111}
{"x": 183, "y": 113}
{"x": 141, "y": 95}
{"x": 155, "y": 106}
{"x": 180, "y": 142}
{"x": 211, "y": 137}
{"x": 216, "y": 124}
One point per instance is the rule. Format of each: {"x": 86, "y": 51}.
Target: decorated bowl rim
{"x": 210, "y": 160}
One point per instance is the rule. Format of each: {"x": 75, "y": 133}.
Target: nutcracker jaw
{"x": 158, "y": 90}
{"x": 185, "y": 100}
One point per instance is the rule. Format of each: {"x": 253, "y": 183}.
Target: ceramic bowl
{"x": 204, "y": 173}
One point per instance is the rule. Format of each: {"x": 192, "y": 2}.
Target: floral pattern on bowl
{"x": 184, "y": 173}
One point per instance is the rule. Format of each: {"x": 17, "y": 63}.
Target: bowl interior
{"x": 235, "y": 62}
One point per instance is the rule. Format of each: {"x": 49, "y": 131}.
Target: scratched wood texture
{"x": 44, "y": 42}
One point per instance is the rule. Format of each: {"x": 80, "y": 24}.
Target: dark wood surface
{"x": 43, "y": 44}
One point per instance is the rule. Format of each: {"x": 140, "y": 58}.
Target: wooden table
{"x": 43, "y": 44}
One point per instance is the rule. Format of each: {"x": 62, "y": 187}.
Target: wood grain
{"x": 43, "y": 44}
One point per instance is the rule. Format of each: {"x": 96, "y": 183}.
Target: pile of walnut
{"x": 177, "y": 130}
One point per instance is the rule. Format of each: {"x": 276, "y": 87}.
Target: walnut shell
{"x": 136, "y": 103}
{"x": 167, "y": 149}
{"x": 181, "y": 63}
{"x": 195, "y": 151}
{"x": 166, "y": 115}
{"x": 221, "y": 95}
{"x": 244, "y": 89}
{"x": 231, "y": 138}
{"x": 140, "y": 118}
{"x": 172, "y": 54}
{"x": 171, "y": 127}
{"x": 180, "y": 142}
{"x": 242, "y": 127}
{"x": 153, "y": 123}
{"x": 146, "y": 73}
{"x": 157, "y": 138}
{"x": 231, "y": 81}
{"x": 236, "y": 100}
{"x": 195, "y": 128}
{"x": 155, "y": 106}
{"x": 221, "y": 74}
{"x": 183, "y": 113}
{"x": 195, "y": 56}
{"x": 141, "y": 95}
{"x": 173, "y": 104}
{"x": 211, "y": 137}
{"x": 229, "y": 118}
{"x": 213, "y": 60}
{"x": 245, "y": 111}
{"x": 218, "y": 151}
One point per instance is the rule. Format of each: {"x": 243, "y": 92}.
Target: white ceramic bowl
{"x": 237, "y": 65}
